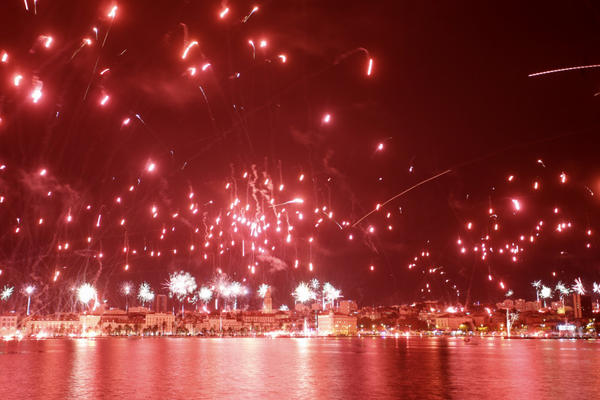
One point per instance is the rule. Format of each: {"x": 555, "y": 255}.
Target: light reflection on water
{"x": 190, "y": 368}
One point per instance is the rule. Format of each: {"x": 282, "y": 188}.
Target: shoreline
{"x": 413, "y": 336}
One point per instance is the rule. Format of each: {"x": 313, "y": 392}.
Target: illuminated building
{"x": 165, "y": 322}
{"x": 8, "y": 324}
{"x": 259, "y": 322}
{"x": 60, "y": 324}
{"x": 268, "y": 302}
{"x": 452, "y": 322}
{"x": 160, "y": 303}
{"x": 332, "y": 324}
{"x": 347, "y": 306}
{"x": 582, "y": 306}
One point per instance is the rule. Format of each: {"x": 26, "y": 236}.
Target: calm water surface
{"x": 195, "y": 368}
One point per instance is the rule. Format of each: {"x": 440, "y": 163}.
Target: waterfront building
{"x": 8, "y": 324}
{"x": 160, "y": 303}
{"x": 582, "y": 306}
{"x": 447, "y": 322}
{"x": 163, "y": 322}
{"x": 268, "y": 302}
{"x": 138, "y": 310}
{"x": 347, "y": 307}
{"x": 332, "y": 324}
{"x": 89, "y": 322}
{"x": 52, "y": 325}
{"x": 301, "y": 308}
{"x": 259, "y": 322}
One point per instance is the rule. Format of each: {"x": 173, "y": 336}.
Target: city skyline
{"x": 229, "y": 143}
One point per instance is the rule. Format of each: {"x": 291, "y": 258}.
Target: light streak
{"x": 113, "y": 12}
{"x": 187, "y": 49}
{"x": 254, "y": 9}
{"x": 401, "y": 194}
{"x": 553, "y": 71}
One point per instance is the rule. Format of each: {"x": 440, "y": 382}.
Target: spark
{"x": 402, "y": 193}
{"x": 370, "y": 67}
{"x": 187, "y": 49}
{"x": 223, "y": 13}
{"x": 263, "y": 43}
{"x": 254, "y": 9}
{"x": 553, "y": 71}
{"x": 47, "y": 41}
{"x": 4, "y": 57}
{"x": 563, "y": 177}
{"x": 326, "y": 118}
{"x": 104, "y": 100}
{"x": 283, "y": 58}
{"x": 17, "y": 80}
{"x": 112, "y": 13}
{"x": 251, "y": 43}
{"x": 205, "y": 66}
{"x": 36, "y": 93}
{"x": 516, "y": 204}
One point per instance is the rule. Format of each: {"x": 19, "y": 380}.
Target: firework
{"x": 145, "y": 293}
{"x": 6, "y": 292}
{"x": 545, "y": 292}
{"x": 330, "y": 293}
{"x": 205, "y": 294}
{"x": 262, "y": 290}
{"x": 86, "y": 293}
{"x": 181, "y": 284}
{"x": 304, "y": 293}
{"x": 562, "y": 289}
{"x": 578, "y": 287}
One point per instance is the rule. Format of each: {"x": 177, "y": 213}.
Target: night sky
{"x": 449, "y": 90}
